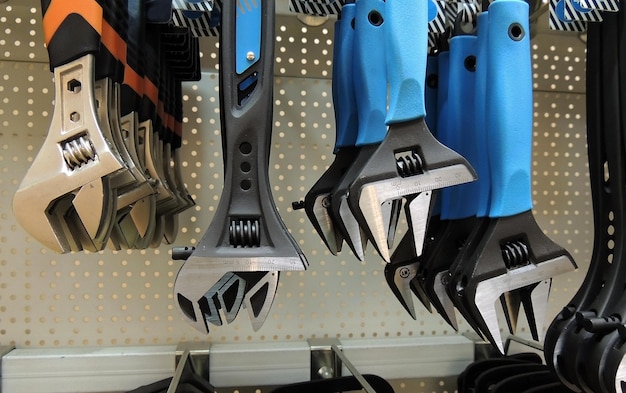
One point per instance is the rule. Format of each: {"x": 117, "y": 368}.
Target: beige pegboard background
{"x": 125, "y": 297}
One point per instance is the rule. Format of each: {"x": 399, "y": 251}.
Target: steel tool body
{"x": 246, "y": 244}
{"x": 76, "y": 158}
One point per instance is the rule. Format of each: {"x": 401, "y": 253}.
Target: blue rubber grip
{"x": 430, "y": 93}
{"x": 370, "y": 84}
{"x": 509, "y": 108}
{"x": 443, "y": 62}
{"x": 443, "y": 117}
{"x": 482, "y": 166}
{"x": 406, "y": 36}
{"x": 248, "y": 41}
{"x": 460, "y": 201}
{"x": 344, "y": 99}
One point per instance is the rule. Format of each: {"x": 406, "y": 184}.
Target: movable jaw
{"x": 445, "y": 306}
{"x": 323, "y": 224}
{"x": 399, "y": 278}
{"x": 487, "y": 293}
{"x": 402, "y": 275}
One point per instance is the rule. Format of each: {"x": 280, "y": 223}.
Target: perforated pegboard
{"x": 125, "y": 297}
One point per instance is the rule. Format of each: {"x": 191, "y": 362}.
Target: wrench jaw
{"x": 445, "y": 251}
{"x": 403, "y": 261}
{"x": 399, "y": 277}
{"x": 318, "y": 214}
{"x": 490, "y": 272}
{"x": 402, "y": 271}
{"x": 74, "y": 154}
{"x": 260, "y": 296}
{"x": 317, "y": 201}
{"x": 426, "y": 166}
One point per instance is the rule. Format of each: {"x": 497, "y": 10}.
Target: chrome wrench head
{"x": 382, "y": 180}
{"x": 74, "y": 154}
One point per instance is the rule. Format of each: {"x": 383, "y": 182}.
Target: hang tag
{"x": 437, "y": 17}
{"x": 574, "y": 12}
{"x": 557, "y": 19}
{"x": 201, "y": 24}
{"x": 316, "y": 7}
{"x": 601, "y": 5}
{"x": 193, "y": 5}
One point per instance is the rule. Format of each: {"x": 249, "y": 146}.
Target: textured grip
{"x": 369, "y": 68}
{"x": 482, "y": 165}
{"x": 111, "y": 58}
{"x": 343, "y": 87}
{"x": 431, "y": 92}
{"x": 406, "y": 35}
{"x": 461, "y": 201}
{"x": 509, "y": 107}
{"x": 75, "y": 22}
{"x": 443, "y": 69}
{"x": 132, "y": 89}
{"x": 158, "y": 11}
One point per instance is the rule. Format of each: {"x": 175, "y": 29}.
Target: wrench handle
{"x": 406, "y": 34}
{"x": 246, "y": 91}
{"x": 78, "y": 22}
{"x": 509, "y": 107}
{"x": 132, "y": 89}
{"x": 111, "y": 58}
{"x": 344, "y": 97}
{"x": 459, "y": 201}
{"x": 369, "y": 70}
{"x": 482, "y": 166}
{"x": 431, "y": 93}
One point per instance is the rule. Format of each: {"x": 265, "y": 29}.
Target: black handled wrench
{"x": 246, "y": 234}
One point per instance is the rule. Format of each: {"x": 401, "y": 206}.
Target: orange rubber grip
{"x": 113, "y": 42}
{"x": 133, "y": 80}
{"x": 59, "y": 10}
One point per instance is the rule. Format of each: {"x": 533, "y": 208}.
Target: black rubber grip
{"x": 158, "y": 11}
{"x": 111, "y": 59}
{"x": 132, "y": 90}
{"x": 135, "y": 34}
{"x": 75, "y": 22}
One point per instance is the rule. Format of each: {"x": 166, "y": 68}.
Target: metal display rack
{"x": 116, "y": 308}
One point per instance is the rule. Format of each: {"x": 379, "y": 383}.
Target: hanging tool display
{"x": 237, "y": 262}
{"x": 479, "y": 243}
{"x": 97, "y": 180}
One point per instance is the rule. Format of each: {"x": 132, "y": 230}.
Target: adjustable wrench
{"x": 370, "y": 89}
{"x": 139, "y": 223}
{"x": 317, "y": 200}
{"x": 402, "y": 271}
{"x": 409, "y": 161}
{"x": 135, "y": 190}
{"x": 512, "y": 252}
{"x": 75, "y": 155}
{"x": 246, "y": 235}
